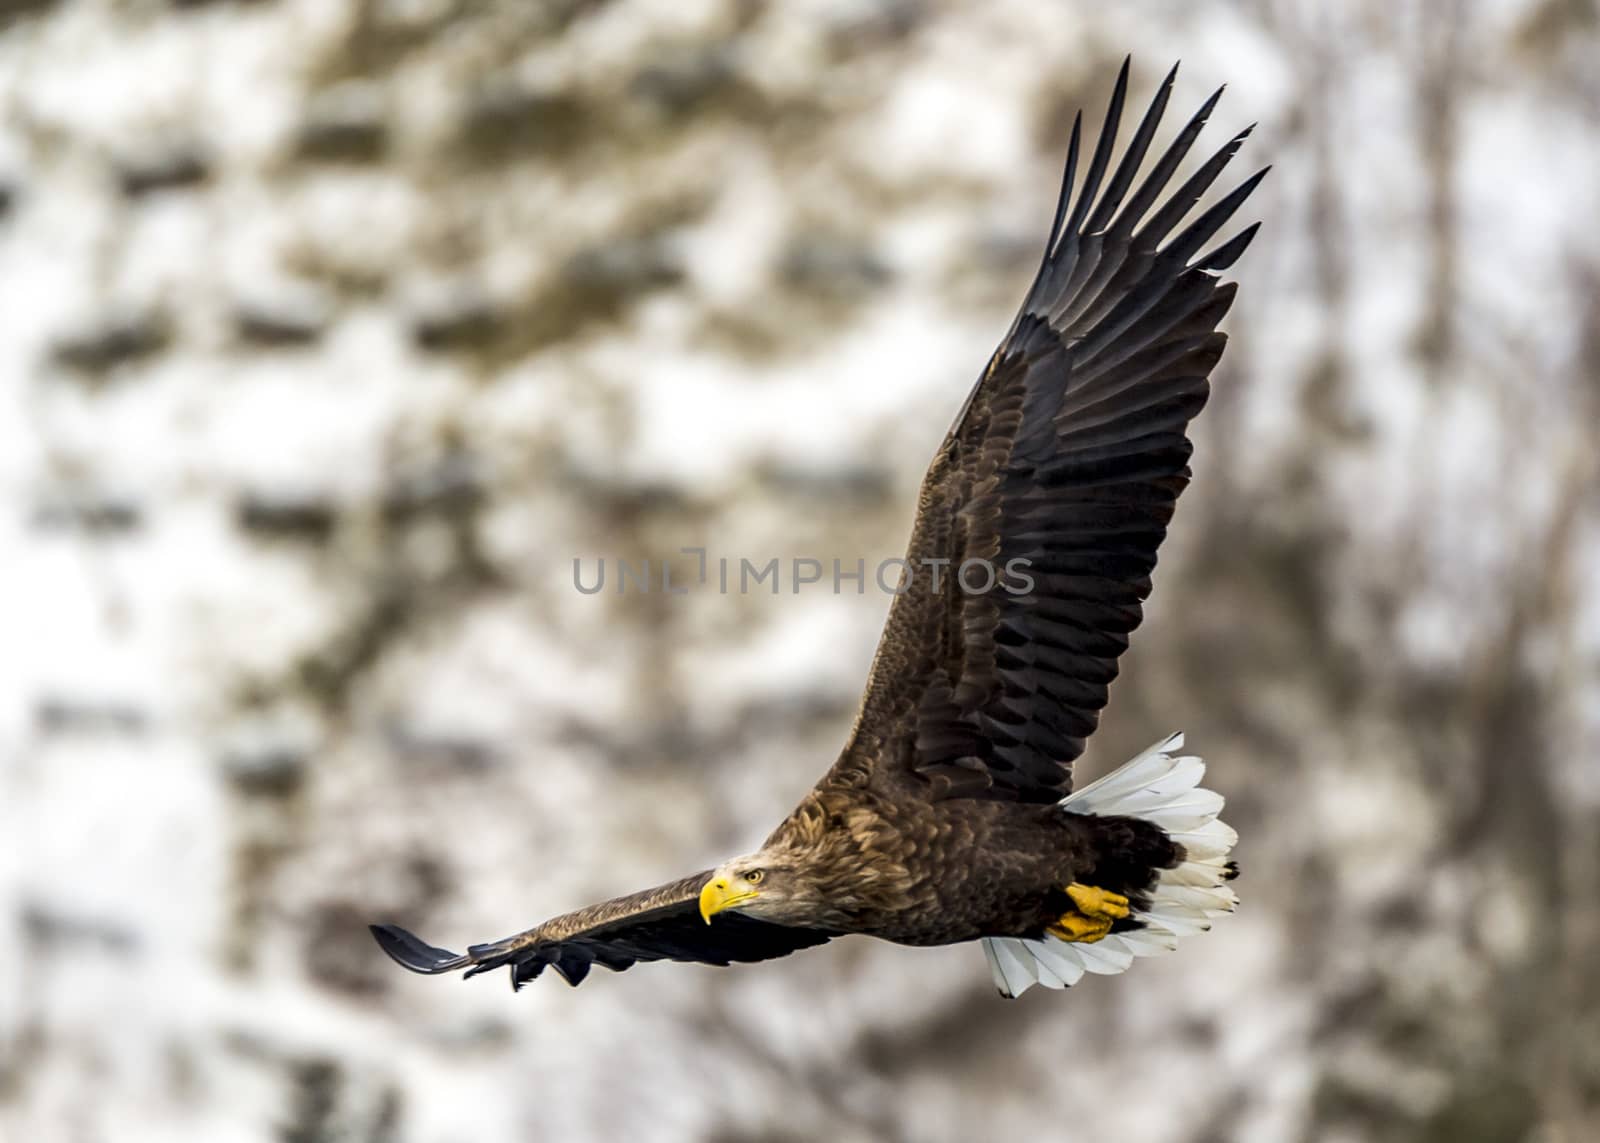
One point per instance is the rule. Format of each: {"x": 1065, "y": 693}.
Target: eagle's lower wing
{"x": 657, "y": 924}
{"x": 1060, "y": 475}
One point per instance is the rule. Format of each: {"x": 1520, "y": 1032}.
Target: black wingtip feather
{"x": 1103, "y": 148}
{"x": 1156, "y": 181}
{"x": 1064, "y": 197}
{"x": 1182, "y": 200}
{"x": 409, "y": 951}
{"x": 1228, "y": 253}
{"x": 1138, "y": 147}
{"x": 1201, "y": 229}
{"x": 573, "y": 969}
{"x": 1124, "y": 71}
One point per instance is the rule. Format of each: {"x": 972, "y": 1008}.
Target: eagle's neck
{"x": 848, "y": 856}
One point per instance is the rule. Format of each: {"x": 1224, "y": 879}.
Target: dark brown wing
{"x": 656, "y": 924}
{"x": 1063, "y": 467}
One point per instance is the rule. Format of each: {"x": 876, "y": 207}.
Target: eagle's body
{"x": 947, "y": 816}
{"x": 900, "y": 865}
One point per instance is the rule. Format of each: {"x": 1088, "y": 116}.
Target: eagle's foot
{"x": 1098, "y": 903}
{"x": 1097, "y": 911}
{"x": 1076, "y": 927}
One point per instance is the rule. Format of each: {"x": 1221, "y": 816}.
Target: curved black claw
{"x": 408, "y": 951}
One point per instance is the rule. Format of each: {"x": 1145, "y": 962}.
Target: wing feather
{"x": 657, "y": 924}
{"x": 1065, "y": 463}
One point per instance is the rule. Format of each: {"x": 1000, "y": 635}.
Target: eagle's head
{"x": 768, "y": 885}
{"x": 819, "y": 870}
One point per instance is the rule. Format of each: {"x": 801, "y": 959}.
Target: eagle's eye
{"x": 754, "y": 876}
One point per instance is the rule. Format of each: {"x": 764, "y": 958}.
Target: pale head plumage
{"x": 770, "y": 884}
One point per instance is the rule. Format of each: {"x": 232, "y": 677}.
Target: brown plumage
{"x": 942, "y": 819}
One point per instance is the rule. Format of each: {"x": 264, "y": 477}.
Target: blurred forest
{"x": 335, "y": 329}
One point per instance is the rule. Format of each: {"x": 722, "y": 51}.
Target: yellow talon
{"x": 1100, "y": 903}
{"x": 1085, "y": 930}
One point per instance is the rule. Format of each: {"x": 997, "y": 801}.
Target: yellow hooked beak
{"x": 719, "y": 895}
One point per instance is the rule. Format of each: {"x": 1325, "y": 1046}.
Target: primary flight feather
{"x": 948, "y": 815}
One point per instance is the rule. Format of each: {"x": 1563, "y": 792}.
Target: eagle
{"x": 949, "y": 815}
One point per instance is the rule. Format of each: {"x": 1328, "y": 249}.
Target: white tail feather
{"x": 1180, "y": 923}
{"x": 1011, "y": 965}
{"x": 1163, "y": 788}
{"x": 1063, "y": 961}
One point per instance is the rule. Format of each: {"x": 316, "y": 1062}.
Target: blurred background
{"x": 334, "y": 330}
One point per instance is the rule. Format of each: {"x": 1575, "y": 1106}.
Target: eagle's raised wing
{"x": 657, "y": 924}
{"x": 1063, "y": 467}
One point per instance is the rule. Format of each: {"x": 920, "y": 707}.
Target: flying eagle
{"x": 949, "y": 814}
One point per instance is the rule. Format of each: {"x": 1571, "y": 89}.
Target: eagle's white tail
{"x": 1161, "y": 788}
